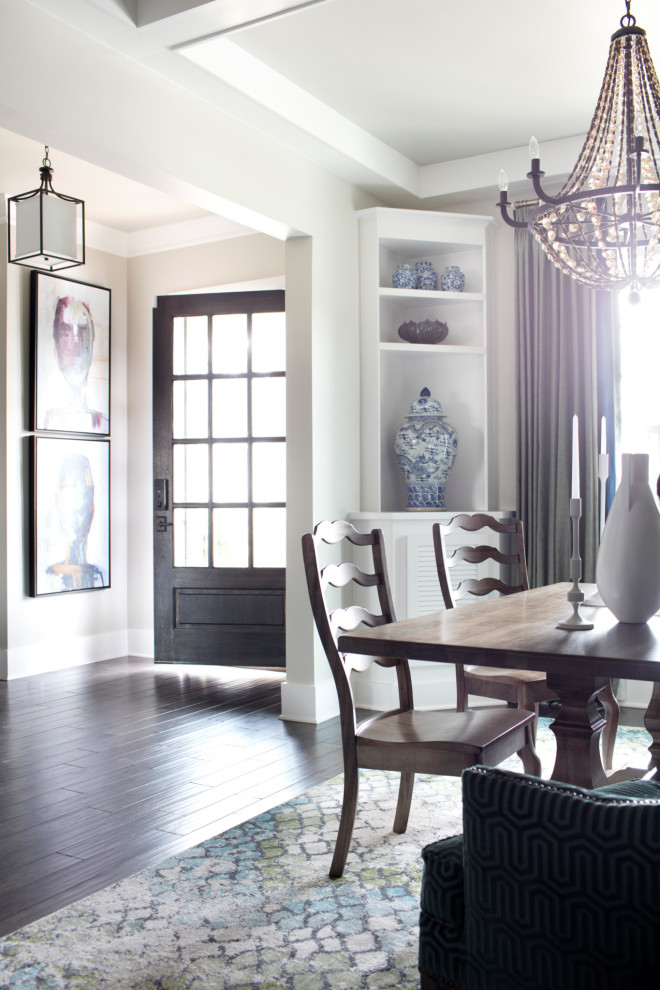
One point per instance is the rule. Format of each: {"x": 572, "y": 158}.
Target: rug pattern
{"x": 254, "y": 907}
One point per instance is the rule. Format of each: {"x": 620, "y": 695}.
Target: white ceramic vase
{"x": 628, "y": 565}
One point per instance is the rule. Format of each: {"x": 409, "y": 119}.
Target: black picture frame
{"x": 70, "y": 515}
{"x": 70, "y": 355}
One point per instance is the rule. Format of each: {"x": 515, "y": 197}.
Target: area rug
{"x": 254, "y": 907}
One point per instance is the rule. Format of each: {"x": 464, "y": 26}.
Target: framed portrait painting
{"x": 70, "y": 518}
{"x": 70, "y": 355}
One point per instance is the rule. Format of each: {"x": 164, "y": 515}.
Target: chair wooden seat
{"x": 506, "y": 675}
{"x": 437, "y": 740}
{"x": 402, "y": 740}
{"x": 526, "y": 689}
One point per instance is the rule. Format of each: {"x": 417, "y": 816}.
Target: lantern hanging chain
{"x": 46, "y": 172}
{"x": 629, "y": 18}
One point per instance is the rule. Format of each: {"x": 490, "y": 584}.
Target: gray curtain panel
{"x": 566, "y": 364}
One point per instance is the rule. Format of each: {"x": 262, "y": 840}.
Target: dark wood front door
{"x": 219, "y": 478}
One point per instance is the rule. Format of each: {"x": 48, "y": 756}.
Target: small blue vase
{"x": 453, "y": 279}
{"x": 426, "y": 276}
{"x": 404, "y": 277}
{"x": 425, "y": 447}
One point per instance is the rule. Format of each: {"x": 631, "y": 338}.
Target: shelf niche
{"x": 394, "y": 372}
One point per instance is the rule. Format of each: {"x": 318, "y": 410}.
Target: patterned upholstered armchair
{"x": 550, "y": 886}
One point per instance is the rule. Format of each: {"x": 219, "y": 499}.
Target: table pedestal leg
{"x": 652, "y": 725}
{"x": 577, "y": 729}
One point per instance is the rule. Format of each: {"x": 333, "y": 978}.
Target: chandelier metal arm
{"x": 535, "y": 174}
{"x": 504, "y": 205}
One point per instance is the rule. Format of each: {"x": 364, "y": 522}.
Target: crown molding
{"x": 186, "y": 233}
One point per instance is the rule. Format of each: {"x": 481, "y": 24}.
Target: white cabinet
{"x": 394, "y": 372}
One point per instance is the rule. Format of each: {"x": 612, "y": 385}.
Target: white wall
{"x": 106, "y": 109}
{"x": 51, "y": 632}
{"x": 501, "y": 355}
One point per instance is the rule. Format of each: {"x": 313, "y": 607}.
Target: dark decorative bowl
{"x": 426, "y": 332}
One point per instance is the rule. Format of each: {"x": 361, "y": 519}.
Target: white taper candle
{"x": 575, "y": 474}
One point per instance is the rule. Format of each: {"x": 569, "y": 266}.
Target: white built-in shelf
{"x": 404, "y": 348}
{"x": 394, "y": 371}
{"x": 415, "y": 295}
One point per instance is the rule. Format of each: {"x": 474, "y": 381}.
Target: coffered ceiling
{"x": 417, "y": 99}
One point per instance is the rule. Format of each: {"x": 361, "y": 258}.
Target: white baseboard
{"x": 434, "y": 687}
{"x": 61, "y": 653}
{"x": 313, "y": 703}
{"x": 141, "y": 643}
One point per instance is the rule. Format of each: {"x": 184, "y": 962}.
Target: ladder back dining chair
{"x": 526, "y": 689}
{"x": 403, "y": 740}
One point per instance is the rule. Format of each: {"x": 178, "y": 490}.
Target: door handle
{"x": 162, "y": 523}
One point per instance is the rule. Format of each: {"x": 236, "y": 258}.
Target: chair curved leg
{"x": 528, "y": 755}
{"x": 346, "y": 822}
{"x": 525, "y": 700}
{"x": 611, "y": 706}
{"x": 530, "y": 758}
{"x": 406, "y": 786}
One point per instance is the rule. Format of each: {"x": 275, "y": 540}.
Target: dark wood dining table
{"x": 520, "y": 631}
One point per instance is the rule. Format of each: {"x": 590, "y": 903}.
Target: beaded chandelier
{"x": 603, "y": 227}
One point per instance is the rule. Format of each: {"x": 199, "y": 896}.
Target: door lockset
{"x": 162, "y": 523}
{"x": 160, "y": 494}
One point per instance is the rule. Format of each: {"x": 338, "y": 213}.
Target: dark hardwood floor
{"x": 109, "y": 768}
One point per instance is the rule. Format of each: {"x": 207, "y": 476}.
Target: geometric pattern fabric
{"x": 552, "y": 886}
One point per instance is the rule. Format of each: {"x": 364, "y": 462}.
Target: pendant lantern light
{"x": 46, "y": 230}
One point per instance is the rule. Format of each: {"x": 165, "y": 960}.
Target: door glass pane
{"x": 269, "y": 531}
{"x": 190, "y": 348}
{"x": 190, "y": 464}
{"x": 230, "y": 537}
{"x": 230, "y": 407}
{"x": 191, "y": 537}
{"x": 190, "y": 410}
{"x": 230, "y": 344}
{"x": 268, "y": 342}
{"x": 269, "y": 407}
{"x": 230, "y": 472}
{"x": 269, "y": 472}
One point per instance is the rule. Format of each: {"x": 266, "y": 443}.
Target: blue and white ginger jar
{"x": 426, "y": 276}
{"x": 404, "y": 277}
{"x": 453, "y": 279}
{"x": 425, "y": 447}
